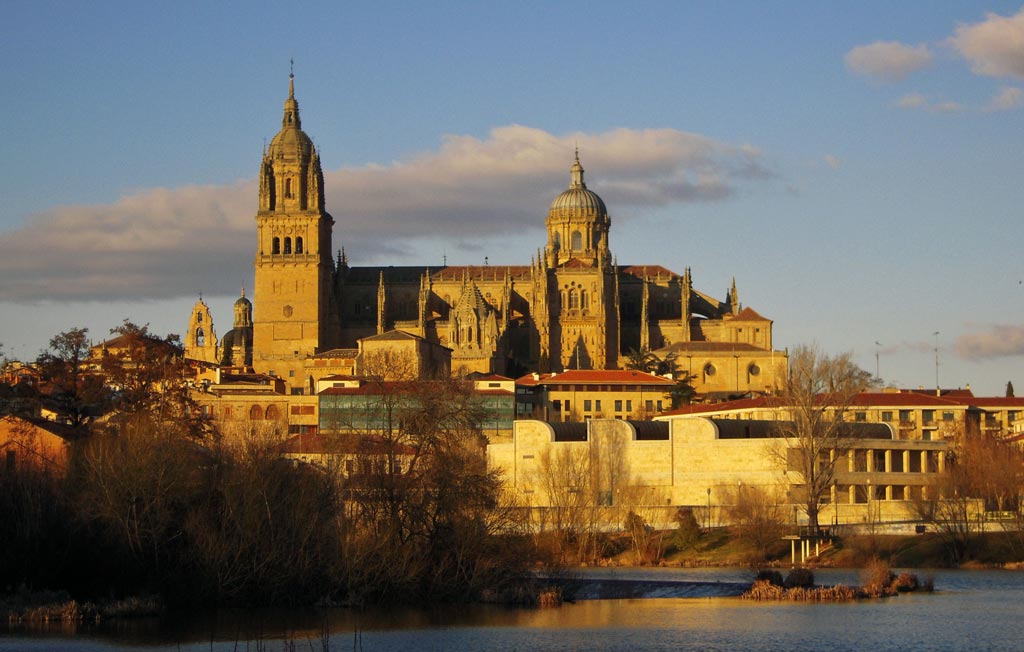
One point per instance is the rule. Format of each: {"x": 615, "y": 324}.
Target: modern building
{"x": 652, "y": 468}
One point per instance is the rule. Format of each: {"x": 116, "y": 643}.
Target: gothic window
{"x": 287, "y": 245}
{"x": 276, "y": 247}
{"x": 200, "y": 336}
{"x": 574, "y": 300}
{"x": 199, "y": 318}
{"x": 577, "y": 241}
{"x": 255, "y": 413}
{"x": 298, "y": 245}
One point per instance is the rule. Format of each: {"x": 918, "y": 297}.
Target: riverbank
{"x": 721, "y": 548}
{"x": 39, "y": 607}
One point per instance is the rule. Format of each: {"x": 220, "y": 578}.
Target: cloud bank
{"x": 995, "y": 46}
{"x": 998, "y": 341}
{"x": 162, "y": 243}
{"x": 887, "y": 60}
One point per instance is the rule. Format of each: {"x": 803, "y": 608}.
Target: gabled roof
{"x": 479, "y": 376}
{"x": 576, "y": 263}
{"x": 652, "y": 270}
{"x": 392, "y": 335}
{"x": 749, "y": 314}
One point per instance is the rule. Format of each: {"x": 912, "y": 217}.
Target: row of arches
{"x": 270, "y": 413}
{"x": 287, "y": 249}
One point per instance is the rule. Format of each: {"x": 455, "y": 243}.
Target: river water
{"x": 970, "y": 610}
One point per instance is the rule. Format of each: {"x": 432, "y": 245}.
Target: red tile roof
{"x": 749, "y": 314}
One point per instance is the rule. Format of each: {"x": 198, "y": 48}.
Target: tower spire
{"x": 577, "y": 173}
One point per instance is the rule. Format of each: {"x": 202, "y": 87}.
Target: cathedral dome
{"x": 577, "y": 197}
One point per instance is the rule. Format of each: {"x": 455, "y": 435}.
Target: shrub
{"x": 773, "y": 577}
{"x": 906, "y": 582}
{"x": 687, "y": 532}
{"x": 801, "y": 577}
{"x": 878, "y": 578}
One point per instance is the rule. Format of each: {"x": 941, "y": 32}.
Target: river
{"x": 970, "y": 610}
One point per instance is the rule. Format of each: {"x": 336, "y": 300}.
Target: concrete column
{"x": 942, "y": 461}
{"x": 852, "y": 491}
{"x": 851, "y": 461}
{"x": 888, "y": 492}
{"x": 870, "y": 460}
{"x": 888, "y": 461}
{"x": 906, "y": 461}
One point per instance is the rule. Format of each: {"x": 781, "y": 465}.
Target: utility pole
{"x": 937, "y": 389}
{"x": 877, "y": 347}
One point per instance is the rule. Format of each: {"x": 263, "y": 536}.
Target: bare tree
{"x": 819, "y": 391}
{"x": 983, "y": 473}
{"x": 758, "y": 517}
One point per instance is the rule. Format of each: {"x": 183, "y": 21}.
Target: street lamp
{"x": 709, "y": 508}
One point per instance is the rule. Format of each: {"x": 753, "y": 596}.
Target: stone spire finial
{"x": 291, "y": 105}
{"x": 577, "y": 173}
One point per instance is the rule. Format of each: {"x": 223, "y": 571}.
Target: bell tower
{"x": 294, "y": 268}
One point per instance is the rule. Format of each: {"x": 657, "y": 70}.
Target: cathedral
{"x": 572, "y": 307}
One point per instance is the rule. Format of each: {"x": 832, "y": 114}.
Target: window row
{"x": 276, "y": 246}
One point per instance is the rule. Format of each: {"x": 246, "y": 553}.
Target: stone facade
{"x": 572, "y": 307}
{"x": 653, "y": 467}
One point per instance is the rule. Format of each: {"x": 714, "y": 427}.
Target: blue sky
{"x": 855, "y": 166}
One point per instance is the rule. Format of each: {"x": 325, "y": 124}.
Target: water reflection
{"x": 973, "y": 610}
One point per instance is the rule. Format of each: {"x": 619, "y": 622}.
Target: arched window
{"x": 276, "y": 247}
{"x": 273, "y": 414}
{"x": 200, "y": 337}
{"x": 298, "y": 245}
{"x": 574, "y": 300}
{"x": 255, "y": 413}
{"x": 557, "y": 240}
{"x": 288, "y": 188}
{"x": 577, "y": 241}
{"x": 199, "y": 318}
{"x": 287, "y": 245}
{"x": 583, "y": 299}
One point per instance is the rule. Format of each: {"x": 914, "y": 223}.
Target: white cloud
{"x": 887, "y": 60}
{"x": 164, "y": 243}
{"x": 919, "y": 101}
{"x": 912, "y": 101}
{"x": 1007, "y": 99}
{"x": 995, "y": 46}
{"x": 832, "y": 161}
{"x": 998, "y": 341}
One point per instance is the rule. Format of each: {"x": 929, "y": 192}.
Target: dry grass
{"x": 59, "y": 608}
{"x": 879, "y": 582}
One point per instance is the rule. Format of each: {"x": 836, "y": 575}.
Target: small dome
{"x": 242, "y": 301}
{"x": 291, "y": 143}
{"x": 577, "y": 197}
